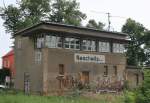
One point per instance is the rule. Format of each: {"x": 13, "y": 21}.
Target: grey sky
{"x": 135, "y": 9}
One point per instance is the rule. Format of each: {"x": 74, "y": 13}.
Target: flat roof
{"x": 50, "y": 26}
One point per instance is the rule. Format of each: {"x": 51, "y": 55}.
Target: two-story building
{"x": 50, "y": 57}
{"x": 8, "y": 62}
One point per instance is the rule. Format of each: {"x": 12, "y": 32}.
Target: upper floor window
{"x": 72, "y": 43}
{"x": 104, "y": 46}
{"x": 88, "y": 45}
{"x": 38, "y": 56}
{"x": 6, "y": 63}
{"x": 40, "y": 42}
{"x": 53, "y": 42}
{"x": 19, "y": 43}
{"x": 118, "y": 48}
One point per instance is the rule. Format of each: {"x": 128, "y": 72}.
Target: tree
{"x": 93, "y": 24}
{"x": 27, "y": 13}
{"x": 143, "y": 92}
{"x": 12, "y": 17}
{"x": 31, "y": 12}
{"x": 146, "y": 38}
{"x": 67, "y": 12}
{"x": 3, "y": 73}
{"x": 136, "y": 32}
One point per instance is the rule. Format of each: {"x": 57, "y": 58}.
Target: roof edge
{"x": 66, "y": 25}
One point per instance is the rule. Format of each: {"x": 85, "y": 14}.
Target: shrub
{"x": 129, "y": 97}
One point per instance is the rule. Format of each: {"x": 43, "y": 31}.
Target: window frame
{"x": 90, "y": 43}
{"x": 118, "y": 48}
{"x": 38, "y": 57}
{"x": 54, "y": 41}
{"x": 105, "y": 47}
{"x": 72, "y": 44}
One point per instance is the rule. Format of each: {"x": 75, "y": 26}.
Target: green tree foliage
{"x": 143, "y": 92}
{"x": 93, "y": 24}
{"x": 137, "y": 34}
{"x": 3, "y": 73}
{"x": 12, "y": 17}
{"x": 67, "y": 11}
{"x": 146, "y": 40}
{"x": 31, "y": 12}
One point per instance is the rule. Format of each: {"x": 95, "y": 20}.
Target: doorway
{"x": 26, "y": 83}
{"x": 85, "y": 77}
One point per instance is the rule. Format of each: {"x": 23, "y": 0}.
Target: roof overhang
{"x": 78, "y": 31}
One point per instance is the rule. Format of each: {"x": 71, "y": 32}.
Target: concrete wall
{"x": 132, "y": 77}
{"x": 66, "y": 57}
{"x": 42, "y": 76}
{"x": 24, "y": 63}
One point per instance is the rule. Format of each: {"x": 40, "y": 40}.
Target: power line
{"x": 108, "y": 16}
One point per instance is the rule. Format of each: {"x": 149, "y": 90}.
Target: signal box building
{"x": 50, "y": 57}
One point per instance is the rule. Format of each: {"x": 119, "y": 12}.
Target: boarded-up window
{"x": 115, "y": 70}
{"x": 137, "y": 79}
{"x": 106, "y": 70}
{"x": 61, "y": 69}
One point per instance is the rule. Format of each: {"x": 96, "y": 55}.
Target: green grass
{"x": 21, "y": 98}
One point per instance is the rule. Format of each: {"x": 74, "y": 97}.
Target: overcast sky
{"x": 120, "y": 10}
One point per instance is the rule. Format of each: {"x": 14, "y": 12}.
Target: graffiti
{"x": 102, "y": 83}
{"x": 109, "y": 84}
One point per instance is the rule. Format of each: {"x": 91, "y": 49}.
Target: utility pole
{"x": 109, "y": 22}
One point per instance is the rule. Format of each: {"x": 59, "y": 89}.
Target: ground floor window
{"x": 137, "y": 79}
{"x": 26, "y": 83}
{"x": 115, "y": 70}
{"x": 61, "y": 69}
{"x": 106, "y": 70}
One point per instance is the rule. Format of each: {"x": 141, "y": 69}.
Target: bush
{"x": 142, "y": 93}
{"x": 130, "y": 97}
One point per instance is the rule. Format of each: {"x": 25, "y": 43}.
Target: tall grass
{"x": 21, "y": 98}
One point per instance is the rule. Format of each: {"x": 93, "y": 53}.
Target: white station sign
{"x": 89, "y": 58}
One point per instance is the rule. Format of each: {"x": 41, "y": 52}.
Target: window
{"x": 26, "y": 83}
{"x": 61, "y": 69}
{"x": 137, "y": 79}
{"x": 40, "y": 42}
{"x": 19, "y": 44}
{"x": 53, "y": 42}
{"x": 106, "y": 70}
{"x": 104, "y": 46}
{"x": 38, "y": 56}
{"x": 8, "y": 64}
{"x": 88, "y": 45}
{"x": 5, "y": 63}
{"x": 118, "y": 48}
{"x": 72, "y": 43}
{"x": 115, "y": 70}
